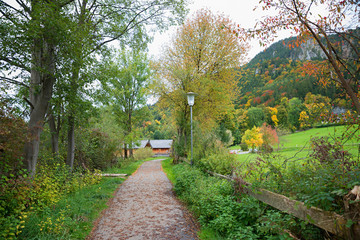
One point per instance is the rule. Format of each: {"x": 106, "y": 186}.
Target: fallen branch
{"x": 121, "y": 175}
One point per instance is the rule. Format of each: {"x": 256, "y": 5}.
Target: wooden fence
{"x": 329, "y": 221}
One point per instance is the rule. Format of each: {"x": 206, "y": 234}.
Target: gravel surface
{"x": 144, "y": 207}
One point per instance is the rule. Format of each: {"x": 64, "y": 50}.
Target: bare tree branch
{"x": 13, "y": 81}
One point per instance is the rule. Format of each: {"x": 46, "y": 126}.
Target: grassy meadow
{"x": 297, "y": 145}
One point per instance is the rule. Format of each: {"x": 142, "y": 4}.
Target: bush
{"x": 253, "y": 138}
{"x": 220, "y": 162}
{"x": 12, "y": 140}
{"x": 231, "y": 216}
{"x": 21, "y": 195}
{"x": 244, "y": 147}
{"x": 206, "y": 143}
{"x": 94, "y": 149}
{"x": 323, "y": 180}
{"x": 143, "y": 153}
{"x": 15, "y": 193}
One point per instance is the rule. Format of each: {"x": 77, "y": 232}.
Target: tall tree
{"x": 318, "y": 20}
{"x": 127, "y": 22}
{"x": 125, "y": 79}
{"x": 30, "y": 33}
{"x": 41, "y": 38}
{"x": 200, "y": 59}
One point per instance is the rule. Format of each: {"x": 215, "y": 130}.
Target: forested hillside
{"x": 282, "y": 71}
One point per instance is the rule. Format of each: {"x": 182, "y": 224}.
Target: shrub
{"x": 94, "y": 149}
{"x": 269, "y": 135}
{"x": 20, "y": 195}
{"x": 323, "y": 180}
{"x": 14, "y": 184}
{"x": 143, "y": 153}
{"x": 12, "y": 140}
{"x": 244, "y": 147}
{"x": 220, "y": 162}
{"x": 217, "y": 208}
{"x": 253, "y": 138}
{"x": 15, "y": 192}
{"x": 206, "y": 143}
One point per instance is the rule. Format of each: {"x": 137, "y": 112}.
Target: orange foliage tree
{"x": 319, "y": 21}
{"x": 269, "y": 136}
{"x": 201, "y": 58}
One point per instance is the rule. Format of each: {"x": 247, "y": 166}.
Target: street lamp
{"x": 191, "y": 100}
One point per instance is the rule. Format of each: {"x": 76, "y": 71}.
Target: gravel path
{"x": 144, "y": 207}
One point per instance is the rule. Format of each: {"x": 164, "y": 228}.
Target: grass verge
{"x": 73, "y": 216}
{"x": 204, "y": 233}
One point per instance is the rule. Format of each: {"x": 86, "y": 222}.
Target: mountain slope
{"x": 279, "y": 71}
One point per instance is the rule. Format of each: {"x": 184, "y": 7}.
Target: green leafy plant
{"x": 94, "y": 149}
{"x": 143, "y": 153}
{"x": 228, "y": 215}
{"x": 220, "y": 162}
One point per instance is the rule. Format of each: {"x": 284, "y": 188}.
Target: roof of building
{"x": 140, "y": 144}
{"x": 166, "y": 143}
{"x": 161, "y": 143}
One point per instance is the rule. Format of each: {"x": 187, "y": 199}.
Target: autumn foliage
{"x": 317, "y": 21}
{"x": 269, "y": 135}
{"x": 253, "y": 138}
{"x": 12, "y": 140}
{"x": 201, "y": 58}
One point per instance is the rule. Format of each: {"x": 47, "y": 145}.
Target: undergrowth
{"x": 224, "y": 214}
{"x": 56, "y": 204}
{"x": 323, "y": 180}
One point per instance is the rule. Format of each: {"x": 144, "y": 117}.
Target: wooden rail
{"x": 329, "y": 221}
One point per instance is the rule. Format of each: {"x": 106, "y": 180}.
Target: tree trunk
{"x": 71, "y": 110}
{"x": 125, "y": 151}
{"x": 42, "y": 80}
{"x": 54, "y": 135}
{"x": 131, "y": 152}
{"x": 71, "y": 142}
{"x": 130, "y": 130}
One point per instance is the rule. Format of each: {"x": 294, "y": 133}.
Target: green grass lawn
{"x": 297, "y": 145}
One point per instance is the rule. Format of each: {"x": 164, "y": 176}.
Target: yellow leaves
{"x": 248, "y": 103}
{"x": 201, "y": 59}
{"x": 253, "y": 137}
{"x": 273, "y": 110}
{"x": 275, "y": 120}
{"x": 304, "y": 120}
{"x": 55, "y": 226}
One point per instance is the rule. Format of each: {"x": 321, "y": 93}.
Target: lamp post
{"x": 191, "y": 100}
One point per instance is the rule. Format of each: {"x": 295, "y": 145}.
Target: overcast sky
{"x": 239, "y": 11}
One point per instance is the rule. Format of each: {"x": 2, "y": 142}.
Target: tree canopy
{"x": 44, "y": 45}
{"x": 125, "y": 79}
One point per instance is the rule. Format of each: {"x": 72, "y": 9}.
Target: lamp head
{"x": 191, "y": 98}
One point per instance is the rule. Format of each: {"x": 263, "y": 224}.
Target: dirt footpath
{"x": 144, "y": 207}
